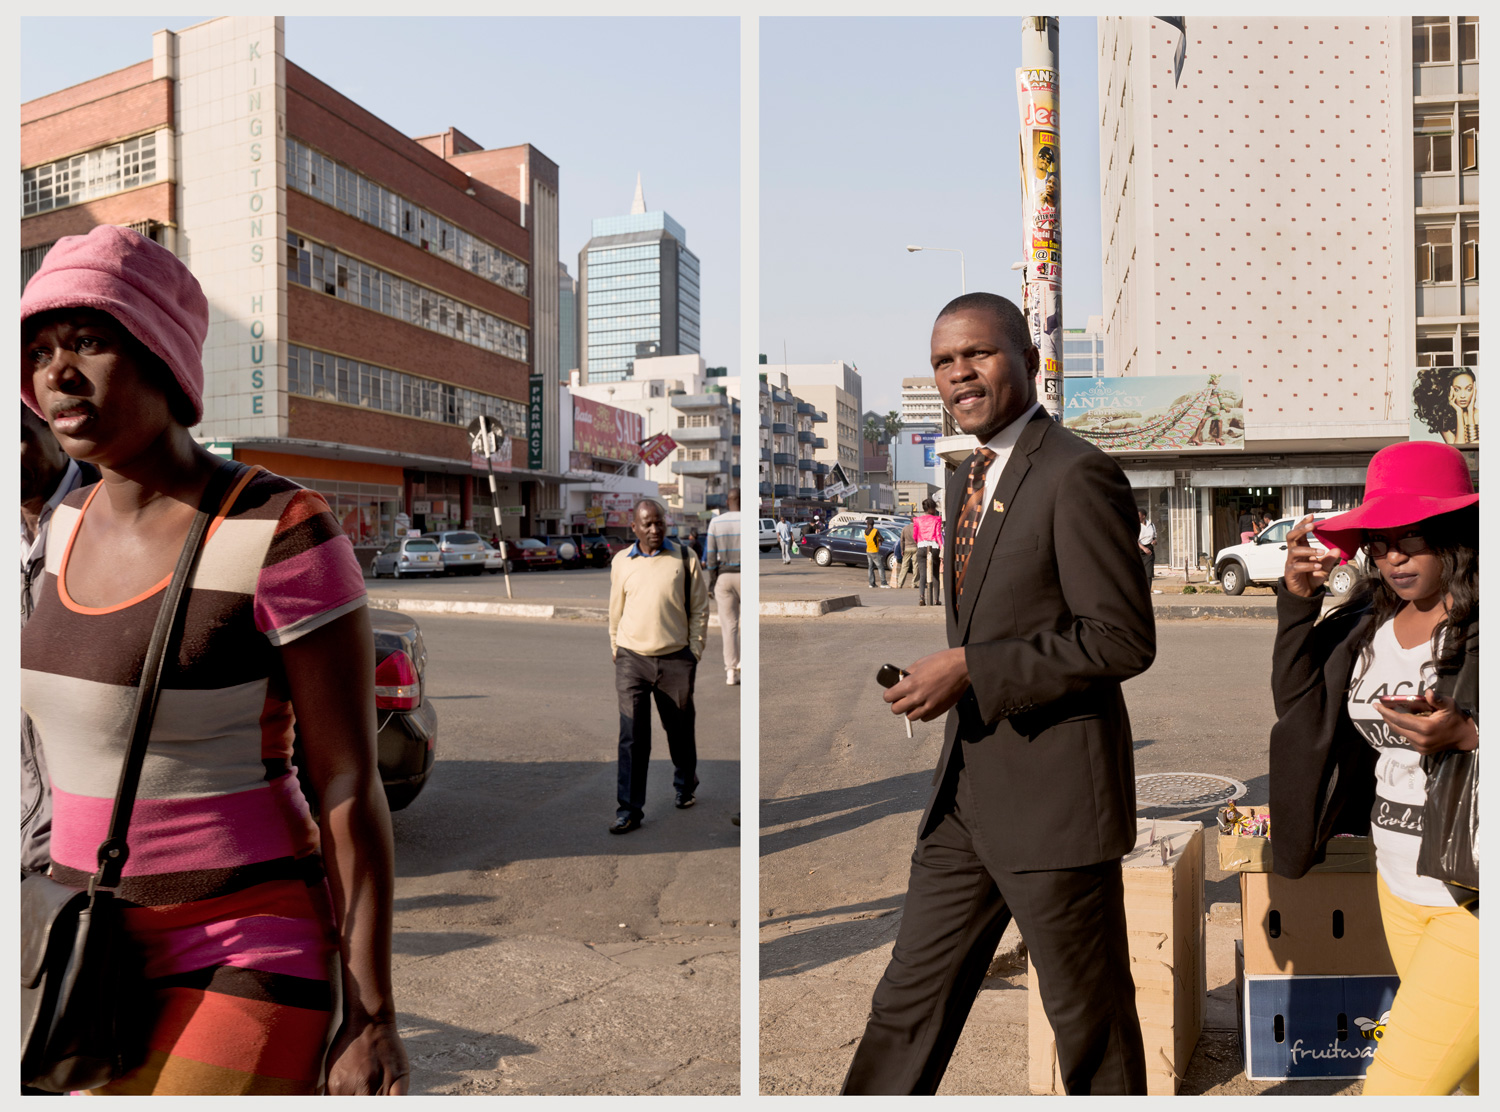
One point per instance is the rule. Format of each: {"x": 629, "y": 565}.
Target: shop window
{"x": 1435, "y": 254}
{"x": 1431, "y": 40}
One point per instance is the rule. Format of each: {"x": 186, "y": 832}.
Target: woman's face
{"x": 1462, "y": 390}
{"x": 90, "y": 385}
{"x": 1413, "y": 576}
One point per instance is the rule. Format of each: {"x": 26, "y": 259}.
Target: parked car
{"x": 1261, "y": 562}
{"x": 530, "y": 554}
{"x": 569, "y": 549}
{"x": 406, "y": 738}
{"x": 462, "y": 551}
{"x": 768, "y": 539}
{"x": 599, "y": 550}
{"x": 408, "y": 556}
{"x": 493, "y": 561}
{"x": 845, "y": 544}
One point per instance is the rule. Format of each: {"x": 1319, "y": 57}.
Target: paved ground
{"x": 842, "y": 789}
{"x": 565, "y": 586}
{"x": 534, "y": 952}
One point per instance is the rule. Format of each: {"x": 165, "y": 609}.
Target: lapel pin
{"x": 999, "y": 506}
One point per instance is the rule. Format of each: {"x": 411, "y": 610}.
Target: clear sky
{"x": 602, "y": 97}
{"x": 878, "y": 133}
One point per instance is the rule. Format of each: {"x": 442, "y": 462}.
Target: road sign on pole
{"x": 485, "y": 439}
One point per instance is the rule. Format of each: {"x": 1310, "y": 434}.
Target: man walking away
{"x": 722, "y": 559}
{"x": 908, "y": 554}
{"x": 784, "y": 535}
{"x": 47, "y": 477}
{"x": 1146, "y": 542}
{"x": 872, "y": 554}
{"x": 658, "y": 618}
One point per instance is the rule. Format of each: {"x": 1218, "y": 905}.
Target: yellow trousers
{"x": 1431, "y": 1041}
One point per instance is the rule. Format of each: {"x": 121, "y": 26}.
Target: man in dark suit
{"x": 1048, "y": 612}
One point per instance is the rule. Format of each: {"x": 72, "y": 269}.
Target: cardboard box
{"x": 1164, "y": 921}
{"x": 1253, "y": 855}
{"x": 1307, "y": 1026}
{"x": 1325, "y": 924}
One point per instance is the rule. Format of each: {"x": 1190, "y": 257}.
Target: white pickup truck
{"x": 768, "y": 539}
{"x": 1260, "y": 562}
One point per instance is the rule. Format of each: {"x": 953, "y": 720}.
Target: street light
{"x": 963, "y": 283}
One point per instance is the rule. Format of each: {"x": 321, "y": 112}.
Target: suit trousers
{"x": 727, "y": 598}
{"x": 668, "y": 680}
{"x": 957, "y": 908}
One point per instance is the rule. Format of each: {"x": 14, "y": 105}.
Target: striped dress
{"x": 224, "y": 888}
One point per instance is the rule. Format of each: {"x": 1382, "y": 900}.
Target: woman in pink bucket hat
{"x": 253, "y": 921}
{"x": 1361, "y": 696}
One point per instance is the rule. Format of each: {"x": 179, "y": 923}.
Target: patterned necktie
{"x": 968, "y": 520}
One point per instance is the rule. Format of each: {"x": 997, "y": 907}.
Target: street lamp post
{"x": 963, "y": 281}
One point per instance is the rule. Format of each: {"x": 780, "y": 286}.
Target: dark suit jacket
{"x": 1322, "y": 778}
{"x": 1056, "y": 613}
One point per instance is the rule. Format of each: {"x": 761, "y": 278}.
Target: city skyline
{"x": 579, "y": 58}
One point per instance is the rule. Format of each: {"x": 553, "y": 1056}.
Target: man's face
{"x": 985, "y": 381}
{"x": 42, "y": 459}
{"x": 648, "y": 526}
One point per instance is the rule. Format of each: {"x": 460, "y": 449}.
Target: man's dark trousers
{"x": 1148, "y": 561}
{"x": 669, "y": 680}
{"x": 957, "y": 907}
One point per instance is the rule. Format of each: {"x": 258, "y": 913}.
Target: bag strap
{"x": 687, "y": 585}
{"x": 114, "y": 851}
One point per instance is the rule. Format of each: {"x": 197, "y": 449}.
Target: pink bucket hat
{"x": 1406, "y": 483}
{"x": 139, "y": 283}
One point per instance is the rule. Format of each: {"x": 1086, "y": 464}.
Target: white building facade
{"x": 1264, "y": 217}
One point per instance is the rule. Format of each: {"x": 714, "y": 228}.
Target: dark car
{"x": 530, "y": 554}
{"x": 406, "y": 738}
{"x": 599, "y": 550}
{"x": 569, "y": 548}
{"x": 846, "y": 545}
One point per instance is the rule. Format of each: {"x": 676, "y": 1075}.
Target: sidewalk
{"x": 412, "y": 598}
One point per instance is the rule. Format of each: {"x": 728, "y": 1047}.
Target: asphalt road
{"x": 534, "y": 952}
{"x": 842, "y": 789}
{"x": 580, "y": 586}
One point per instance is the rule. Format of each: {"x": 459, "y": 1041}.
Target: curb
{"x": 1189, "y": 611}
{"x": 502, "y": 609}
{"x": 812, "y": 608}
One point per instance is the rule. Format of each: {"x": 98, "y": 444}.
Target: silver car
{"x": 408, "y": 556}
{"x": 462, "y": 551}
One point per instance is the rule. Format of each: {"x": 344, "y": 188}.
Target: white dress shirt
{"x": 1001, "y": 444}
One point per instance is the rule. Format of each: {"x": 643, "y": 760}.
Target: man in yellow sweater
{"x": 658, "y": 620}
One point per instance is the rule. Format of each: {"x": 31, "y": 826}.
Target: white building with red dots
{"x": 1298, "y": 208}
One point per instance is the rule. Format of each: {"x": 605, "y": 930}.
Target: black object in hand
{"x": 889, "y": 675}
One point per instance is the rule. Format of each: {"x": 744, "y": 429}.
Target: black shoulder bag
{"x": 81, "y": 982}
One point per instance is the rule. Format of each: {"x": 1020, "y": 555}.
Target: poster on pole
{"x": 1041, "y": 204}
{"x": 1141, "y": 413}
{"x": 658, "y": 448}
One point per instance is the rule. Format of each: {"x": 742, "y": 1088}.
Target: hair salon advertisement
{"x": 1445, "y": 404}
{"x": 1166, "y": 412}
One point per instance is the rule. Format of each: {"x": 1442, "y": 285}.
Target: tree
{"x": 874, "y": 433}
{"x": 892, "y": 429}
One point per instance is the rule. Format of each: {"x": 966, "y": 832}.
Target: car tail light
{"x": 445, "y": 547}
{"x": 396, "y": 683}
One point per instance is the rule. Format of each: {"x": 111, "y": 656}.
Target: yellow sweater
{"x": 645, "y": 603}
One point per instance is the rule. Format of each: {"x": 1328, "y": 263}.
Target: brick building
{"x": 370, "y": 293}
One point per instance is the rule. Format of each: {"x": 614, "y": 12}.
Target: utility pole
{"x": 1041, "y": 202}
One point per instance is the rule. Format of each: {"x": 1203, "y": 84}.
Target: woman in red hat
{"x": 252, "y": 920}
{"x": 1361, "y": 697}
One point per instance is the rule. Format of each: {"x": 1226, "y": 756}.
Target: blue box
{"x": 1308, "y": 1026}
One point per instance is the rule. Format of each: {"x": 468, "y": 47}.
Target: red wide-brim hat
{"x": 1406, "y": 483}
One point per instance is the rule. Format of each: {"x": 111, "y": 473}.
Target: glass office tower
{"x": 638, "y": 288}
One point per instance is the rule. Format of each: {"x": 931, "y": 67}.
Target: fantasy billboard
{"x": 1142, "y": 413}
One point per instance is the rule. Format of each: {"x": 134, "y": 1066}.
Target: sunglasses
{"x": 1413, "y": 545}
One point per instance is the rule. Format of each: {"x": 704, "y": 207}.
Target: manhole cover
{"x": 1185, "y": 789}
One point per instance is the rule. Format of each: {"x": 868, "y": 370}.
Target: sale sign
{"x": 605, "y": 431}
{"x": 658, "y": 448}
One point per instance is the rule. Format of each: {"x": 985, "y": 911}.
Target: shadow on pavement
{"x": 441, "y": 1053}
{"x": 485, "y": 814}
{"x": 803, "y": 951}
{"x": 845, "y": 809}
{"x": 889, "y": 903}
{"x": 426, "y": 944}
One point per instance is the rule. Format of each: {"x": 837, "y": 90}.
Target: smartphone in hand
{"x": 889, "y": 676}
{"x": 1408, "y": 704}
